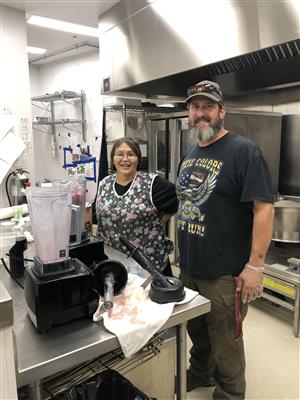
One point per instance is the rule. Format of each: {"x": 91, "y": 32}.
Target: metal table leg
{"x": 181, "y": 361}
{"x": 35, "y": 390}
{"x": 296, "y": 312}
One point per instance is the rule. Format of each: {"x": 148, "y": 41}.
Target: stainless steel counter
{"x": 39, "y": 356}
{"x": 8, "y": 387}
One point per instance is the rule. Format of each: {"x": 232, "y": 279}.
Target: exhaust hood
{"x": 155, "y": 48}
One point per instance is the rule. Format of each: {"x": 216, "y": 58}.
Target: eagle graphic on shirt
{"x": 195, "y": 187}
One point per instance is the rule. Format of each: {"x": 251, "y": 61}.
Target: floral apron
{"x": 134, "y": 216}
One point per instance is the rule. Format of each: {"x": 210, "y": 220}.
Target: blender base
{"x": 57, "y": 299}
{"x": 52, "y": 269}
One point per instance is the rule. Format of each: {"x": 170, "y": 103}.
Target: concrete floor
{"x": 272, "y": 356}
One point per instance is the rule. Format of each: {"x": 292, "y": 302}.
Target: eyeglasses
{"x": 127, "y": 155}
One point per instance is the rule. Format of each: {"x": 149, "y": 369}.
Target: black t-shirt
{"x": 216, "y": 187}
{"x": 163, "y": 194}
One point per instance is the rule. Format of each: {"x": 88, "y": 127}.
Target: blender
{"x": 76, "y": 186}
{"x": 50, "y": 215}
{"x": 87, "y": 249}
{"x": 57, "y": 288}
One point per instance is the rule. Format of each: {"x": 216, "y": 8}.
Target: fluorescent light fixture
{"x": 35, "y": 50}
{"x": 62, "y": 26}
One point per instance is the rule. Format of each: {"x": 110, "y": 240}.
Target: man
{"x": 225, "y": 222}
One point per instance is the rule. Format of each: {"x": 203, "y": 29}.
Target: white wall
{"x": 14, "y": 83}
{"x": 75, "y": 74}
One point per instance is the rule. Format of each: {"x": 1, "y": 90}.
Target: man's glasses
{"x": 125, "y": 155}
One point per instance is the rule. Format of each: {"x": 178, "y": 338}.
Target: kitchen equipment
{"x": 282, "y": 278}
{"x": 85, "y": 248}
{"x": 282, "y": 270}
{"x": 289, "y": 177}
{"x": 15, "y": 184}
{"x": 250, "y": 63}
{"x": 61, "y": 297}
{"x": 287, "y": 221}
{"x": 58, "y": 298}
{"x": 16, "y": 257}
{"x": 125, "y": 118}
{"x": 50, "y": 215}
{"x": 163, "y": 289}
{"x": 282, "y": 264}
{"x": 76, "y": 186}
{"x": 294, "y": 264}
{"x": 58, "y": 288}
{"x": 110, "y": 277}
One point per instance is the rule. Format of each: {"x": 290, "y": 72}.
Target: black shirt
{"x": 163, "y": 194}
{"x": 216, "y": 187}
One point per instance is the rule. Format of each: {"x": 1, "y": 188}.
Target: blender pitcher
{"x": 77, "y": 187}
{"x": 50, "y": 214}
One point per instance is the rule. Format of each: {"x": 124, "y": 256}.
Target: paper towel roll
{"x": 9, "y": 212}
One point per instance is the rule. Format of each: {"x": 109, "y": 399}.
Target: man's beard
{"x": 206, "y": 134}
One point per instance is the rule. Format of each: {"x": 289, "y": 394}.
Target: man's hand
{"x": 250, "y": 283}
{"x": 250, "y": 280}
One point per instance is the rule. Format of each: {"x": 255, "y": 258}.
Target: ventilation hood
{"x": 158, "y": 48}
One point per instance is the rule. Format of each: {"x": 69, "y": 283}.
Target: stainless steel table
{"x": 39, "y": 356}
{"x": 280, "y": 279}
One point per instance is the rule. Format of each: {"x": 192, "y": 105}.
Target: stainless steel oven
{"x": 169, "y": 138}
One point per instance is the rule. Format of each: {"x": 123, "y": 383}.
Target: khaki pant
{"x": 215, "y": 352}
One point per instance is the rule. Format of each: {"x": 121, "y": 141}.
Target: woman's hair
{"x": 132, "y": 143}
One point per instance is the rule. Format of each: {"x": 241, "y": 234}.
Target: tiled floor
{"x": 272, "y": 356}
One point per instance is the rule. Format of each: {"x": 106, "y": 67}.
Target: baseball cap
{"x": 207, "y": 89}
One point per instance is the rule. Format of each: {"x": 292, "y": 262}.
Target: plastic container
{"x": 77, "y": 188}
{"x": 50, "y": 214}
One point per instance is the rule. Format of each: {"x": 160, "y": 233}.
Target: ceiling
{"x": 75, "y": 11}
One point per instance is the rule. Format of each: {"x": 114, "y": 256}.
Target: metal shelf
{"x": 64, "y": 95}
{"x": 59, "y": 122}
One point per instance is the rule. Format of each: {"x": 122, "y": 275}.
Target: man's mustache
{"x": 200, "y": 119}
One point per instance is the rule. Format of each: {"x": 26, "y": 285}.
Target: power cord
{"x": 8, "y": 270}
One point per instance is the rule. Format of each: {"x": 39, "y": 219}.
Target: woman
{"x": 134, "y": 204}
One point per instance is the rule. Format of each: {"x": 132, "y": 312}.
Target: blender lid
{"x": 107, "y": 266}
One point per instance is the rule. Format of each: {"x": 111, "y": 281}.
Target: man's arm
{"x": 250, "y": 280}
{"x": 261, "y": 232}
